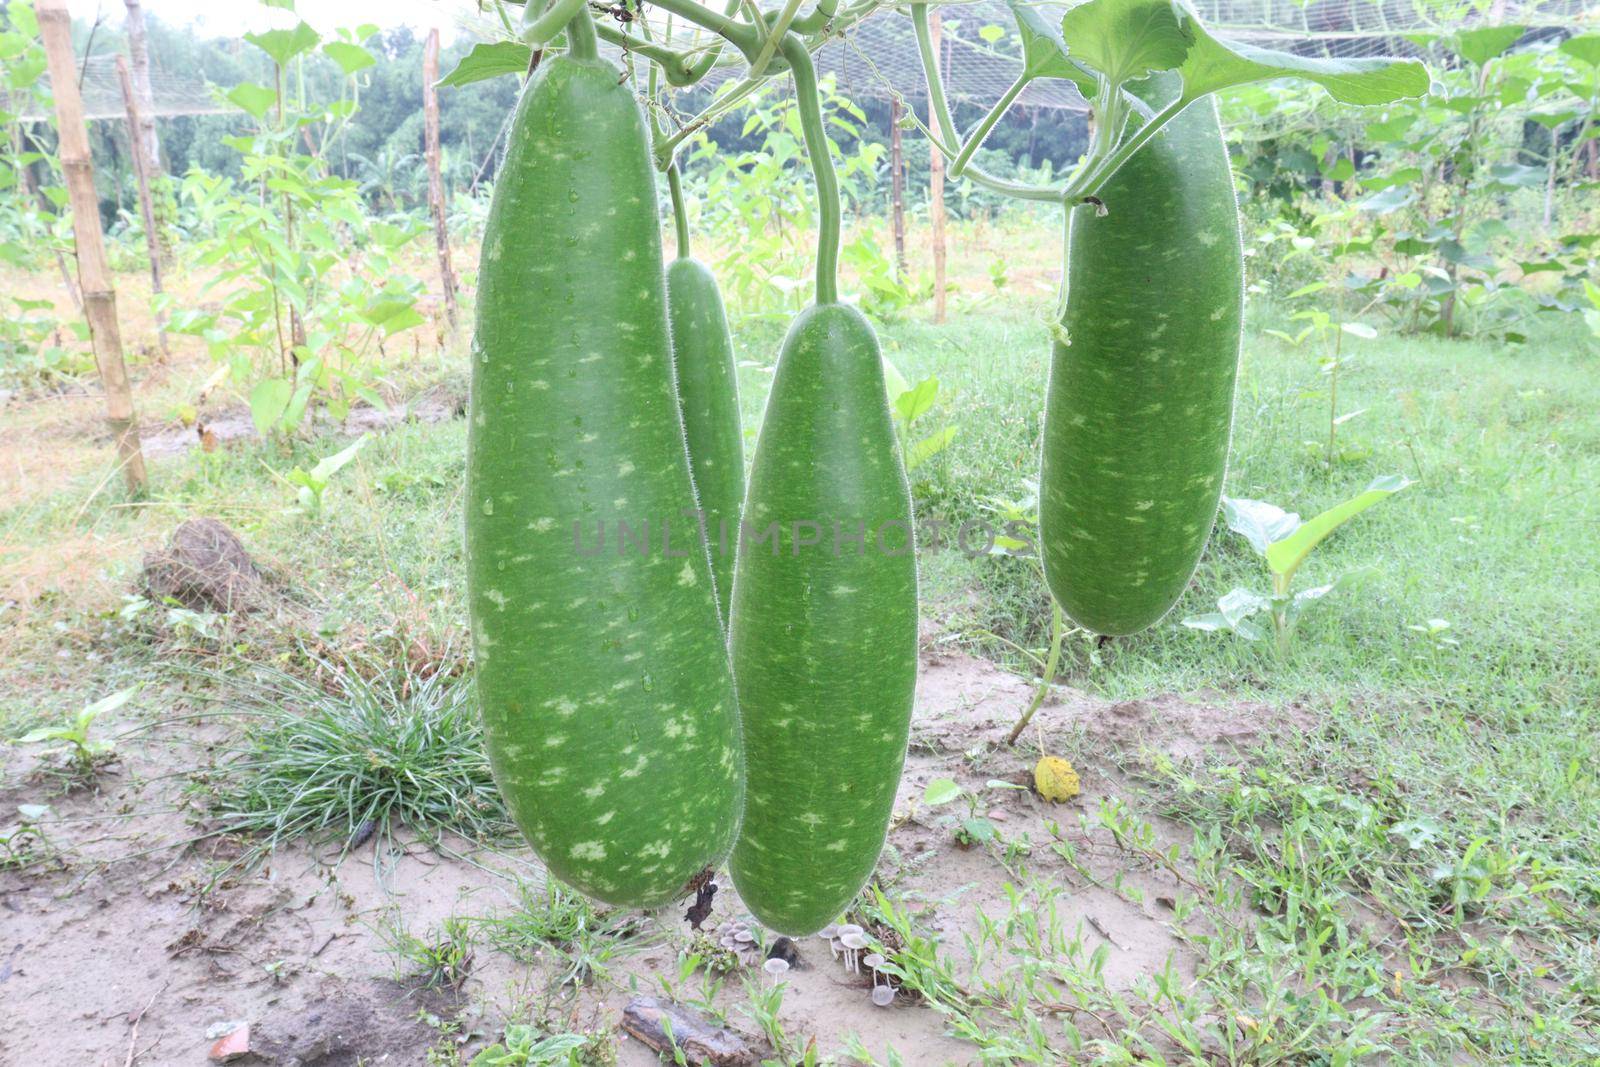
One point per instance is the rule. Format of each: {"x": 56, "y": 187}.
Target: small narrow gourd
{"x": 607, "y": 693}
{"x": 824, "y": 621}
{"x": 1140, "y": 405}
{"x": 708, "y": 395}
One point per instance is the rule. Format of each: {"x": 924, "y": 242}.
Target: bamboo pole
{"x": 141, "y": 173}
{"x": 430, "y": 125}
{"x": 94, "y": 279}
{"x": 936, "y": 182}
{"x": 897, "y": 185}
{"x": 139, "y": 51}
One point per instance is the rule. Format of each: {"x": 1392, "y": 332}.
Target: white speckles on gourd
{"x": 1127, "y": 495}
{"x": 824, "y": 642}
{"x": 556, "y": 701}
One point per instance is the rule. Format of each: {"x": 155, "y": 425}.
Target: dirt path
{"x": 122, "y": 931}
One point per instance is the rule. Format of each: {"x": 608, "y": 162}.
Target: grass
{"x": 355, "y": 751}
{"x": 552, "y": 922}
{"x": 1417, "y": 870}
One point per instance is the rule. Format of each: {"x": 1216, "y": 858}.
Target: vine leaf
{"x": 284, "y": 45}
{"x": 1585, "y": 48}
{"x": 256, "y": 99}
{"x": 1125, "y": 40}
{"x": 350, "y": 57}
{"x": 1044, "y": 53}
{"x": 1285, "y": 556}
{"x": 490, "y": 60}
{"x": 1485, "y": 43}
{"x": 1212, "y": 65}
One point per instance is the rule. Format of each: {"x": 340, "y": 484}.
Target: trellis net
{"x": 173, "y": 94}
{"x": 878, "y": 58}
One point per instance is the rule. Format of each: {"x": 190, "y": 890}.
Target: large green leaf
{"x": 917, "y": 401}
{"x": 1285, "y": 557}
{"x": 350, "y": 57}
{"x": 1044, "y": 53}
{"x": 490, "y": 60}
{"x": 1212, "y": 64}
{"x": 1584, "y": 48}
{"x": 256, "y": 99}
{"x": 328, "y": 466}
{"x": 922, "y": 451}
{"x": 1258, "y": 522}
{"x": 1126, "y": 39}
{"x": 1485, "y": 43}
{"x": 268, "y": 400}
{"x": 12, "y": 44}
{"x": 284, "y": 45}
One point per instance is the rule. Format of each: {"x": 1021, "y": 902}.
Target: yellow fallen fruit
{"x": 1056, "y": 779}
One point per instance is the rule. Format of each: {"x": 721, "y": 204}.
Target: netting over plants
{"x": 878, "y": 58}
{"x": 173, "y": 94}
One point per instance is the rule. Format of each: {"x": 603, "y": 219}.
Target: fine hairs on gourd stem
{"x": 680, "y": 213}
{"x": 582, "y": 41}
{"x": 816, "y": 138}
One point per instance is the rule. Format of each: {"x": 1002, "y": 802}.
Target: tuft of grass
{"x": 442, "y": 959}
{"x": 356, "y": 753}
{"x": 557, "y": 924}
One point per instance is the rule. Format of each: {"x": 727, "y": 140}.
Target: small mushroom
{"x": 872, "y": 961}
{"x": 744, "y": 937}
{"x": 853, "y": 943}
{"x": 883, "y": 995}
{"x": 776, "y": 967}
{"x": 829, "y": 932}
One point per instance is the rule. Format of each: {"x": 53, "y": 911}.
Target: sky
{"x": 233, "y": 17}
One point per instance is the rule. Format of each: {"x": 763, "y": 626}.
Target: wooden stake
{"x": 430, "y": 126}
{"x": 99, "y": 297}
{"x": 936, "y": 183}
{"x": 139, "y": 52}
{"x": 141, "y": 173}
{"x": 897, "y": 185}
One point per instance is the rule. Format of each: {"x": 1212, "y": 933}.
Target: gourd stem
{"x": 780, "y": 27}
{"x": 680, "y": 216}
{"x": 742, "y": 36}
{"x": 816, "y": 138}
{"x": 582, "y": 41}
{"x": 702, "y": 66}
{"x": 675, "y": 66}
{"x": 1057, "y": 631}
{"x": 725, "y": 103}
{"x": 1094, "y": 176}
{"x": 975, "y": 139}
{"x": 940, "y": 114}
{"x": 1066, "y": 242}
{"x": 540, "y": 30}
{"x": 820, "y": 16}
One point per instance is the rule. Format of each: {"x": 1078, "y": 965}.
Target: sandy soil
{"x": 117, "y": 955}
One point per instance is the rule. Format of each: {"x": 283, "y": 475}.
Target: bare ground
{"x": 119, "y": 954}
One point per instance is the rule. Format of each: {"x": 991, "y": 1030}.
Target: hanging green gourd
{"x": 824, "y": 621}
{"x": 708, "y": 396}
{"x": 607, "y": 695}
{"x": 1140, "y": 404}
